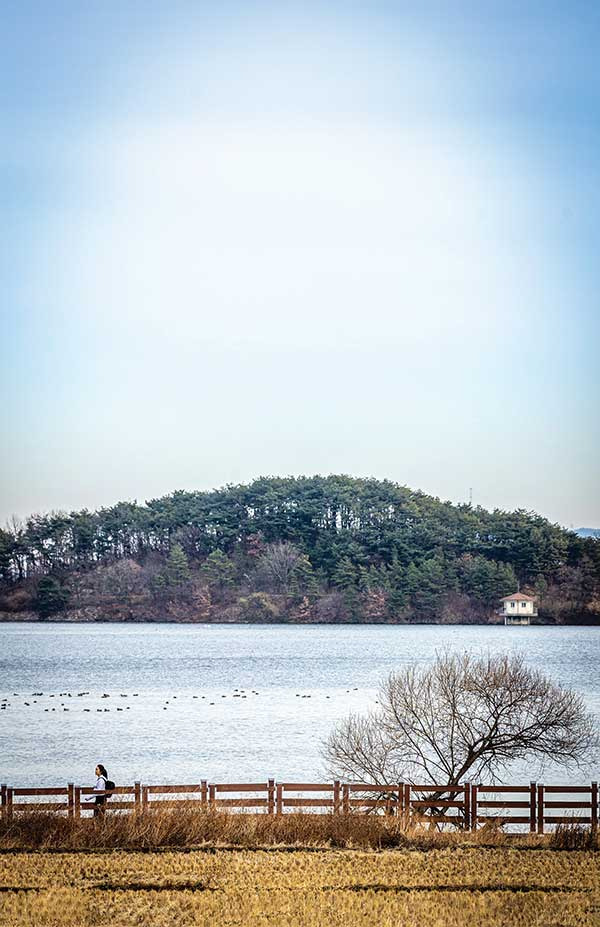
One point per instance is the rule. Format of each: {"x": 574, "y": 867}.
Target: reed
{"x": 174, "y": 825}
{"x": 574, "y": 837}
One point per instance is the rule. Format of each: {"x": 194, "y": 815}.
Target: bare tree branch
{"x": 462, "y": 716}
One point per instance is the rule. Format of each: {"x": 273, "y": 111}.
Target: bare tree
{"x": 121, "y": 579}
{"x": 462, "y": 716}
{"x": 276, "y": 566}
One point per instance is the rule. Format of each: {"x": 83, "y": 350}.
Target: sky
{"x": 246, "y": 239}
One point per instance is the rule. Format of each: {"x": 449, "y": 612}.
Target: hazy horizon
{"x": 143, "y": 501}
{"x": 258, "y": 238}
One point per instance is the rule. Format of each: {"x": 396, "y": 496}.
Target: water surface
{"x": 298, "y": 680}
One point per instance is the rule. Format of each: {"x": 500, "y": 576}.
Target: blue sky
{"x": 246, "y": 239}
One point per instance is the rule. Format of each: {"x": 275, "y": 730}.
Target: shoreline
{"x": 282, "y": 624}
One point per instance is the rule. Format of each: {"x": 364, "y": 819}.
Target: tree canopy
{"x": 315, "y": 536}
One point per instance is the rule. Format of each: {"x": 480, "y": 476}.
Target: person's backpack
{"x": 109, "y": 786}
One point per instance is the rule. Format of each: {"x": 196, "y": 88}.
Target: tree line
{"x": 331, "y": 548}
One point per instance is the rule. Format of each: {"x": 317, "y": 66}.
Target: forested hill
{"x": 295, "y": 549}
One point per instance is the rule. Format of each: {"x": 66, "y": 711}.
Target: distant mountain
{"x": 301, "y": 549}
{"x": 588, "y": 532}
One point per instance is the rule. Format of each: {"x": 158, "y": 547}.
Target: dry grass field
{"x": 179, "y": 826}
{"x": 451, "y": 887}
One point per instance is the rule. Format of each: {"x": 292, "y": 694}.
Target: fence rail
{"x": 467, "y": 806}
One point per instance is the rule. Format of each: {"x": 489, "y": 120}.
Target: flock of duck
{"x": 6, "y": 703}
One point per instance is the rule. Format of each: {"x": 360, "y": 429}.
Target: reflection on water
{"x": 180, "y": 703}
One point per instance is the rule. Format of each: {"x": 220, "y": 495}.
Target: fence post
{"x": 137, "y": 795}
{"x": 473, "y": 822}
{"x": 336, "y": 796}
{"x": 2, "y": 798}
{"x": 346, "y": 798}
{"x": 8, "y": 808}
{"x": 144, "y": 798}
{"x": 203, "y": 794}
{"x": 279, "y": 798}
{"x": 271, "y": 796}
{"x": 467, "y": 806}
{"x": 540, "y": 809}
{"x": 407, "y": 800}
{"x": 77, "y": 801}
{"x": 532, "y": 808}
{"x": 212, "y": 796}
{"x": 71, "y": 800}
{"x": 594, "y": 808}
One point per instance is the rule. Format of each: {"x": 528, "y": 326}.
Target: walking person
{"x": 102, "y": 781}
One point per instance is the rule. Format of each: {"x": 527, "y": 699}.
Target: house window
{"x": 523, "y": 604}
{"x": 513, "y": 605}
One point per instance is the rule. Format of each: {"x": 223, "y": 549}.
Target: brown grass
{"x": 574, "y": 837}
{"x": 173, "y": 827}
{"x": 451, "y": 887}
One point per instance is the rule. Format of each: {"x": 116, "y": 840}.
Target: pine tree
{"x": 397, "y": 596}
{"x": 363, "y": 579}
{"x": 431, "y": 586}
{"x": 541, "y": 587}
{"x": 159, "y": 584}
{"x": 413, "y": 579}
{"x": 177, "y": 571}
{"x": 486, "y": 580}
{"x": 50, "y": 597}
{"x": 345, "y": 576}
{"x": 303, "y": 581}
{"x": 218, "y": 570}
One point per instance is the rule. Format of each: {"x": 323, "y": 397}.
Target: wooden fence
{"x": 465, "y": 806}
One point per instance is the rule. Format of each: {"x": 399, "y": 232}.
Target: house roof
{"x": 518, "y": 597}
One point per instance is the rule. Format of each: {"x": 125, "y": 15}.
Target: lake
{"x": 169, "y": 703}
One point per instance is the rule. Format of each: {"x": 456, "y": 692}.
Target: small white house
{"x": 518, "y": 608}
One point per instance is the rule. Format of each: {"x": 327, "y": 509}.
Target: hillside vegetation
{"x": 306, "y": 549}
